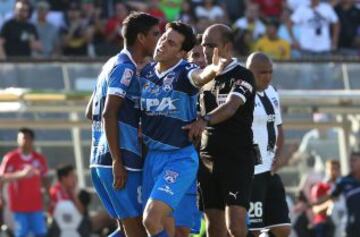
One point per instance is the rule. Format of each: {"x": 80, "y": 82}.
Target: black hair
{"x": 137, "y": 23}
{"x": 273, "y": 22}
{"x": 84, "y": 197}
{"x": 186, "y": 31}
{"x": 27, "y": 131}
{"x": 64, "y": 171}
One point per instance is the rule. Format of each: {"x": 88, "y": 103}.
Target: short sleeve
{"x": 297, "y": 16}
{"x": 119, "y": 80}
{"x": 243, "y": 87}
{"x": 333, "y": 17}
{"x": 189, "y": 70}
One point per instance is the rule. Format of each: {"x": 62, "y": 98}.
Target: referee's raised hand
{"x": 219, "y": 63}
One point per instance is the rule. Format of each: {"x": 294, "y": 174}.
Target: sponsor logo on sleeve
{"x": 126, "y": 77}
{"x": 244, "y": 84}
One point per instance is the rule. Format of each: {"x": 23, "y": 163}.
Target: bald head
{"x": 217, "y": 36}
{"x": 222, "y": 31}
{"x": 261, "y": 67}
{"x": 257, "y": 58}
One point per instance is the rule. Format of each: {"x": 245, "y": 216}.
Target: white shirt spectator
{"x": 213, "y": 13}
{"x": 258, "y": 30}
{"x": 314, "y": 24}
{"x": 295, "y": 4}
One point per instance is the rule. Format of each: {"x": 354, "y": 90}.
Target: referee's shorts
{"x": 226, "y": 179}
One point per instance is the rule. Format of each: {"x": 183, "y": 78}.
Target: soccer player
{"x": 268, "y": 207}
{"x": 227, "y": 152}
{"x": 168, "y": 102}
{"x": 348, "y": 186}
{"x": 190, "y": 221}
{"x": 26, "y": 171}
{"x": 116, "y": 161}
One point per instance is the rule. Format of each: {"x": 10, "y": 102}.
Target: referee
{"x": 268, "y": 207}
{"x": 227, "y": 153}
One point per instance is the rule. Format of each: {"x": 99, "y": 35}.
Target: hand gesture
{"x": 119, "y": 174}
{"x": 195, "y": 129}
{"x": 219, "y": 63}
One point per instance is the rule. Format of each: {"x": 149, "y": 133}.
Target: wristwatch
{"x": 206, "y": 118}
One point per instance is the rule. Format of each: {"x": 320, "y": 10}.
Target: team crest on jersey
{"x": 167, "y": 82}
{"x": 126, "y": 77}
{"x": 244, "y": 84}
{"x": 170, "y": 176}
{"x": 146, "y": 86}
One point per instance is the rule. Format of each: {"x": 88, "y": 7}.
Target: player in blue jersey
{"x": 116, "y": 161}
{"x": 168, "y": 102}
{"x": 349, "y": 186}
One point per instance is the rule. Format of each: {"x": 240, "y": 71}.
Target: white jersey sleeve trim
{"x": 117, "y": 92}
{"x": 238, "y": 95}
{"x": 190, "y": 78}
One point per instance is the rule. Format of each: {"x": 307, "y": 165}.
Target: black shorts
{"x": 268, "y": 206}
{"x": 226, "y": 179}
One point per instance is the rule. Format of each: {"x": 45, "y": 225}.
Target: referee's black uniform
{"x": 227, "y": 154}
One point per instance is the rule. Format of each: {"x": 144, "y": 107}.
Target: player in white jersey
{"x": 268, "y": 207}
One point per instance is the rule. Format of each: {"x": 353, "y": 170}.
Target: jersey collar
{"x": 230, "y": 66}
{"x": 160, "y": 75}
{"x": 127, "y": 53}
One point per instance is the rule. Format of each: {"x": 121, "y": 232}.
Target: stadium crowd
{"x": 283, "y": 29}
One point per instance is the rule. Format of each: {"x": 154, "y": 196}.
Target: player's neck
{"x": 136, "y": 54}
{"x": 163, "y": 66}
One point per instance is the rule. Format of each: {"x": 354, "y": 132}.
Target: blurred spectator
{"x": 60, "y": 5}
{"x": 271, "y": 44}
{"x": 187, "y": 13}
{"x": 68, "y": 206}
{"x": 210, "y": 11}
{"x": 337, "y": 208}
{"x": 251, "y": 22}
{"x": 48, "y": 33}
{"x": 171, "y": 8}
{"x": 303, "y": 217}
{"x": 270, "y": 8}
{"x": 349, "y": 186}
{"x": 349, "y": 17}
{"x": 283, "y": 32}
{"x": 75, "y": 34}
{"x": 6, "y": 7}
{"x": 18, "y": 37}
{"x": 65, "y": 188}
{"x": 234, "y": 9}
{"x": 114, "y": 25}
{"x": 153, "y": 8}
{"x": 323, "y": 225}
{"x": 295, "y": 4}
{"x": 314, "y": 21}
{"x": 25, "y": 171}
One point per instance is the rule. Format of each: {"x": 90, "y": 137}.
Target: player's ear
{"x": 141, "y": 38}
